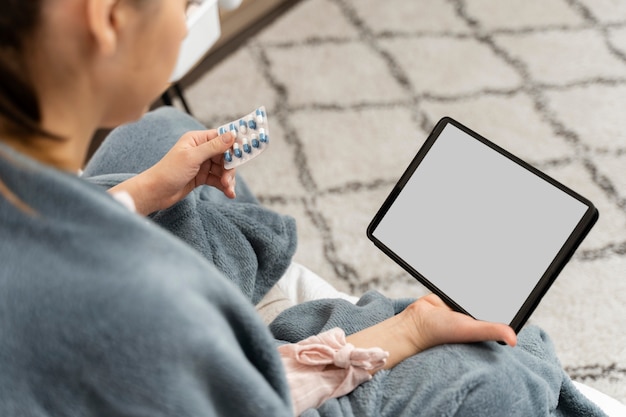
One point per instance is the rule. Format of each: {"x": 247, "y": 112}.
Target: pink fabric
{"x": 325, "y": 366}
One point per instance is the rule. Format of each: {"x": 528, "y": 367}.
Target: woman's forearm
{"x": 391, "y": 335}
{"x": 139, "y": 188}
{"x": 426, "y": 323}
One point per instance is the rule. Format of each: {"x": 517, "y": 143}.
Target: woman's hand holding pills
{"x": 196, "y": 159}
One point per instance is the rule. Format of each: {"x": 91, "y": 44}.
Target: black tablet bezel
{"x": 560, "y": 260}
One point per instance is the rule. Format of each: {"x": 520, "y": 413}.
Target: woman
{"x": 105, "y": 313}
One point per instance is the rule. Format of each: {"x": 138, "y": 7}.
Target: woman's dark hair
{"x": 19, "y": 106}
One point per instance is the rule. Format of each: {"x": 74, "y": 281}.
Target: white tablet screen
{"x": 478, "y": 226}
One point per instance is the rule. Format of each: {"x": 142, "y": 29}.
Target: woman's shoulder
{"x": 76, "y": 246}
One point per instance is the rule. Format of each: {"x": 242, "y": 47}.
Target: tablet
{"x": 479, "y": 227}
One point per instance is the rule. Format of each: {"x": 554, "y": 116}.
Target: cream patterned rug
{"x": 352, "y": 89}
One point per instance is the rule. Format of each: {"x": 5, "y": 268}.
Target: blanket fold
{"x": 248, "y": 243}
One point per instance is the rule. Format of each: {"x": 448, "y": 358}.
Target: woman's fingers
{"x": 208, "y": 153}
{"x": 473, "y": 330}
{"x": 211, "y": 147}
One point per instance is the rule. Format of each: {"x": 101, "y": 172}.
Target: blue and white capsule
{"x": 227, "y": 156}
{"x": 255, "y": 141}
{"x": 246, "y": 146}
{"x": 221, "y": 130}
{"x": 252, "y": 124}
{"x": 263, "y": 137}
{"x": 233, "y": 129}
{"x": 237, "y": 150}
{"x": 260, "y": 116}
{"x": 243, "y": 126}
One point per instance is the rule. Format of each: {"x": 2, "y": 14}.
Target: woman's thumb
{"x": 227, "y": 139}
{"x": 217, "y": 146}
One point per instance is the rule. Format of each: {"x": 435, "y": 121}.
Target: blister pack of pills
{"x": 252, "y": 138}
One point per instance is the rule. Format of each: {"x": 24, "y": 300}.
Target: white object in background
{"x": 203, "y": 24}
{"x": 609, "y": 405}
{"x": 300, "y": 284}
{"x": 229, "y": 4}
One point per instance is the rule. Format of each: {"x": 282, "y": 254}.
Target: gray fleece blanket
{"x": 253, "y": 246}
{"x": 249, "y": 244}
{"x": 481, "y": 379}
{"x": 103, "y": 313}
